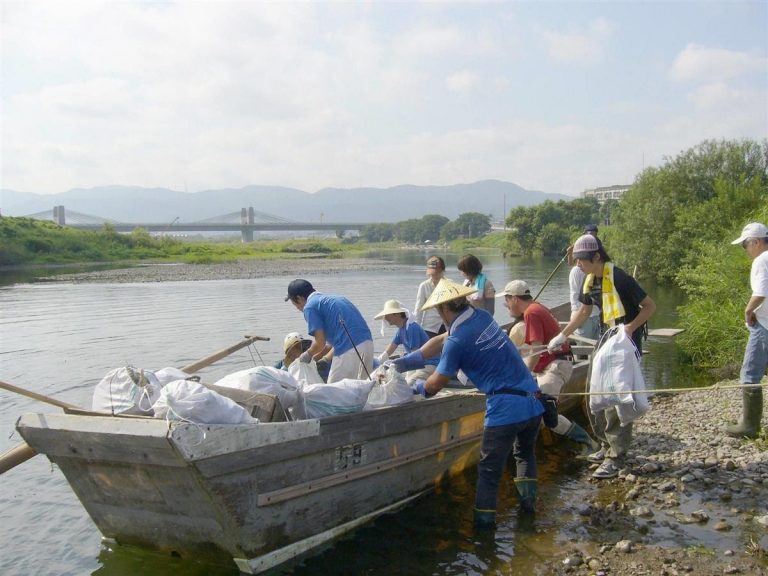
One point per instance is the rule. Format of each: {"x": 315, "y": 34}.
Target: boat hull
{"x": 259, "y": 494}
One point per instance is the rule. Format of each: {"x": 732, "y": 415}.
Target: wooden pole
{"x": 23, "y": 451}
{"x": 199, "y": 365}
{"x": 38, "y": 397}
{"x": 16, "y": 456}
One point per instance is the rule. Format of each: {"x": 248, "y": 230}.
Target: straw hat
{"x": 445, "y": 291}
{"x": 391, "y": 307}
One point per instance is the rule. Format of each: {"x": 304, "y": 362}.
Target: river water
{"x": 59, "y": 339}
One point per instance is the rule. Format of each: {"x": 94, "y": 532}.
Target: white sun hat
{"x": 445, "y": 291}
{"x": 391, "y": 307}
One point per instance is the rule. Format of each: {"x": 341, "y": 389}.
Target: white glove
{"x": 383, "y": 357}
{"x": 557, "y": 342}
{"x": 305, "y": 357}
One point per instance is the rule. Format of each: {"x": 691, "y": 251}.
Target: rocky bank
{"x": 690, "y": 500}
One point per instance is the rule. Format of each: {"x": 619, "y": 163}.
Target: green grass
{"x": 26, "y": 241}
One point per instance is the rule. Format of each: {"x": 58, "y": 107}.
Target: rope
{"x": 670, "y": 390}
{"x": 257, "y": 352}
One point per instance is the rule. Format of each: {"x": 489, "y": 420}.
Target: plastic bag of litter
{"x": 616, "y": 373}
{"x": 305, "y": 373}
{"x": 343, "y": 397}
{"x": 390, "y": 389}
{"x": 126, "y": 390}
{"x": 268, "y": 380}
{"x": 193, "y": 402}
{"x": 170, "y": 374}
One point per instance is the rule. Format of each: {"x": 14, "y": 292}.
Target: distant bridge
{"x": 246, "y": 221}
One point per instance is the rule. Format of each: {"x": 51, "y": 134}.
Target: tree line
{"x": 431, "y": 227}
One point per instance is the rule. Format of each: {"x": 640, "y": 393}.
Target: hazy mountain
{"x": 135, "y": 204}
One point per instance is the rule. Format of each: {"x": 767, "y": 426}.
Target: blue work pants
{"x": 498, "y": 442}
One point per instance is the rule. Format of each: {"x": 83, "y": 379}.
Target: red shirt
{"x": 540, "y": 326}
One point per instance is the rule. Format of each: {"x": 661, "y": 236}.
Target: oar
{"x": 199, "y": 365}
{"x": 23, "y": 451}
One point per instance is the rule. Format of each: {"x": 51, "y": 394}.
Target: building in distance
{"x": 606, "y": 192}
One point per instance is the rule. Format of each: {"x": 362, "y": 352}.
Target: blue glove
{"x": 418, "y": 388}
{"x": 412, "y": 361}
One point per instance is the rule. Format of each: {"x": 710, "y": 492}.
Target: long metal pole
{"x": 343, "y": 325}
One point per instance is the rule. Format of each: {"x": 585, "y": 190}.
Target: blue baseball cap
{"x": 299, "y": 287}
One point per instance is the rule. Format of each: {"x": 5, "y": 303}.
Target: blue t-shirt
{"x": 324, "y": 312}
{"x": 413, "y": 337}
{"x": 479, "y": 347}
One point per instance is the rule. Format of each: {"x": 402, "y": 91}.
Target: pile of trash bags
{"x": 171, "y": 394}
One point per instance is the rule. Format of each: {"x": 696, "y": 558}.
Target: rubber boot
{"x": 485, "y": 519}
{"x": 526, "y": 488}
{"x": 752, "y": 412}
{"x": 578, "y": 434}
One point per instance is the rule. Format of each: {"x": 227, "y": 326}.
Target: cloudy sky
{"x": 553, "y": 96}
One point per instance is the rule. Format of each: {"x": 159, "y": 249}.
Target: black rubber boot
{"x": 752, "y": 412}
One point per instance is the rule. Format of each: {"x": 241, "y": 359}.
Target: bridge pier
{"x": 246, "y": 217}
{"x": 59, "y": 215}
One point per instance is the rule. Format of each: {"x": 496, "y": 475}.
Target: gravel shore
{"x": 691, "y": 500}
{"x": 234, "y": 270}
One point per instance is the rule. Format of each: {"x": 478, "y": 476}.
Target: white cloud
{"x": 462, "y": 82}
{"x": 698, "y": 63}
{"x": 579, "y": 48}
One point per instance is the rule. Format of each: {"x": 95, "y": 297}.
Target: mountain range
{"x": 137, "y": 204}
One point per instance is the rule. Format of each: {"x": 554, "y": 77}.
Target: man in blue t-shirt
{"x": 335, "y": 321}
{"x": 477, "y": 345}
{"x": 409, "y": 334}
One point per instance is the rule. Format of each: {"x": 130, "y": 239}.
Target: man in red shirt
{"x": 550, "y": 369}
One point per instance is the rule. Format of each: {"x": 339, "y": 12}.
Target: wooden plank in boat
{"x": 223, "y": 440}
{"x": 128, "y": 440}
{"x": 352, "y": 428}
{"x": 665, "y": 332}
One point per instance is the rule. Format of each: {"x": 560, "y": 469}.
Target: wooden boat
{"x": 265, "y": 493}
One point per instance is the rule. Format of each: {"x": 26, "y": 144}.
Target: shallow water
{"x": 59, "y": 339}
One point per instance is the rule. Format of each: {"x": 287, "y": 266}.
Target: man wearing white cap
{"x": 551, "y": 370}
{"x": 409, "y": 334}
{"x": 478, "y": 346}
{"x": 754, "y": 239}
{"x": 621, "y": 300}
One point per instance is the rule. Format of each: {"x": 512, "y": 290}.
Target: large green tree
{"x": 691, "y": 199}
{"x": 467, "y": 225}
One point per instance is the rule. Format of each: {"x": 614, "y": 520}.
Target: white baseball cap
{"x": 515, "y": 288}
{"x": 752, "y": 230}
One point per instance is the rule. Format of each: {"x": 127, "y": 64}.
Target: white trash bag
{"x": 346, "y": 396}
{"x": 390, "y": 389}
{"x": 126, "y": 390}
{"x": 268, "y": 380}
{"x": 305, "y": 373}
{"x": 170, "y": 374}
{"x": 616, "y": 370}
{"x": 191, "y": 401}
